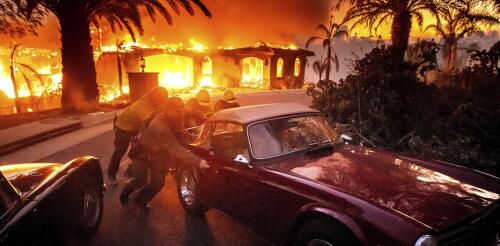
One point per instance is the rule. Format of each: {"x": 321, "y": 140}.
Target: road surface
{"x": 167, "y": 223}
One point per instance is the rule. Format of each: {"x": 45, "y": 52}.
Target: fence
{"x": 34, "y": 104}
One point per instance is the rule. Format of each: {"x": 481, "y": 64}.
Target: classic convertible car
{"x": 282, "y": 171}
{"x": 43, "y": 203}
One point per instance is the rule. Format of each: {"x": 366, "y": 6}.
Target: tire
{"x": 187, "y": 184}
{"x": 92, "y": 210}
{"x": 324, "y": 233}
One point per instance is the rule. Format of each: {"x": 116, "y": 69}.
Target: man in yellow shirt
{"x": 129, "y": 122}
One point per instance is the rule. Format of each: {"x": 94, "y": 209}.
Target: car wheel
{"x": 188, "y": 193}
{"x": 324, "y": 233}
{"x": 92, "y": 209}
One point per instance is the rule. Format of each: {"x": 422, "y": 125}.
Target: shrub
{"x": 392, "y": 108}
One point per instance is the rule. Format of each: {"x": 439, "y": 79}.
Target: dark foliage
{"x": 392, "y": 108}
{"x": 15, "y": 23}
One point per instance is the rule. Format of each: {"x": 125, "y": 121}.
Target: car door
{"x": 219, "y": 183}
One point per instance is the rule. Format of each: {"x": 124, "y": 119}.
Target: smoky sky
{"x": 234, "y": 23}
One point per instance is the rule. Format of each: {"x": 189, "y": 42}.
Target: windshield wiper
{"x": 318, "y": 146}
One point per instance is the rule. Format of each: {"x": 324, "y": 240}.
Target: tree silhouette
{"x": 14, "y": 22}
{"x": 461, "y": 18}
{"x": 374, "y": 13}
{"x": 319, "y": 67}
{"x": 79, "y": 84}
{"x": 26, "y": 76}
{"x": 328, "y": 34}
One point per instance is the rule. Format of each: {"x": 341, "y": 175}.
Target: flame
{"x": 6, "y": 83}
{"x": 197, "y": 46}
{"x": 49, "y": 86}
{"x": 206, "y": 81}
{"x": 253, "y": 72}
{"x": 175, "y": 71}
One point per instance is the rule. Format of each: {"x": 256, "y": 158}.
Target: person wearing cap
{"x": 158, "y": 146}
{"x": 128, "y": 123}
{"x": 228, "y": 101}
{"x": 198, "y": 108}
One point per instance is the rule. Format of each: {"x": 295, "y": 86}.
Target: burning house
{"x": 263, "y": 66}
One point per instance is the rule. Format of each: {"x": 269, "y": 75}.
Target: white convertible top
{"x": 248, "y": 114}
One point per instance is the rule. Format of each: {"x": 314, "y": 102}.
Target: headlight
{"x": 426, "y": 240}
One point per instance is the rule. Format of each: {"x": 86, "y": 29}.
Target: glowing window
{"x": 253, "y": 72}
{"x": 279, "y": 68}
{"x": 296, "y": 70}
{"x": 206, "y": 66}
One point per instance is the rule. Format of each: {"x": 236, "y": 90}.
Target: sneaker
{"x": 113, "y": 181}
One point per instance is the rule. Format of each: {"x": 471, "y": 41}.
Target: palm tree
{"x": 329, "y": 33}
{"x": 26, "y": 77}
{"x": 373, "y": 13}
{"x": 461, "y": 18}
{"x": 319, "y": 67}
{"x": 75, "y": 17}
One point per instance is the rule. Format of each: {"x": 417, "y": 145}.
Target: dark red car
{"x": 282, "y": 171}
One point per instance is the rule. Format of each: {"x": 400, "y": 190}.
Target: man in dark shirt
{"x": 159, "y": 147}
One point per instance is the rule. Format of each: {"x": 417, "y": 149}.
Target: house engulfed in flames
{"x": 262, "y": 66}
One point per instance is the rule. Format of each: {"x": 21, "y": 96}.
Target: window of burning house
{"x": 253, "y": 72}
{"x": 296, "y": 70}
{"x": 175, "y": 71}
{"x": 206, "y": 66}
{"x": 206, "y": 73}
{"x": 279, "y": 68}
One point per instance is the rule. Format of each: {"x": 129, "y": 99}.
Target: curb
{"x": 83, "y": 121}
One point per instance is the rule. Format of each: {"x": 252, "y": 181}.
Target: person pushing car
{"x": 128, "y": 123}
{"x": 157, "y": 148}
{"x": 228, "y": 100}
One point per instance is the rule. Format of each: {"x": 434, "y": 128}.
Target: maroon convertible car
{"x": 282, "y": 171}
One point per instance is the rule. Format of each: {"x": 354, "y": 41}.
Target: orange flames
{"x": 50, "y": 84}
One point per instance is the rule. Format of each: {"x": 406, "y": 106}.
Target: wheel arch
{"x": 317, "y": 212}
{"x": 89, "y": 166}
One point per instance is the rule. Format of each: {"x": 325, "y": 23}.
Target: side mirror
{"x": 242, "y": 160}
{"x": 345, "y": 138}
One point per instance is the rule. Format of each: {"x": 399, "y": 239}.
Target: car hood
{"x": 436, "y": 195}
{"x": 26, "y": 177}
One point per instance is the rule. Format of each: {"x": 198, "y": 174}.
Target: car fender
{"x": 316, "y": 209}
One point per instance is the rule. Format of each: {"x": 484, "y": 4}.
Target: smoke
{"x": 242, "y": 22}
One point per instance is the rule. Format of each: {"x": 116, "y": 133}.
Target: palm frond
{"x": 312, "y": 40}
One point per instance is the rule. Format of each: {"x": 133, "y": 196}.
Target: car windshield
{"x": 285, "y": 135}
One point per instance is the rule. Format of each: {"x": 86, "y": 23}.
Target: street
{"x": 166, "y": 223}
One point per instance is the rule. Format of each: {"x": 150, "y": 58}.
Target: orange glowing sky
{"x": 234, "y": 23}
{"x": 240, "y": 23}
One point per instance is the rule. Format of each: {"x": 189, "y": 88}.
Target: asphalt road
{"x": 166, "y": 223}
